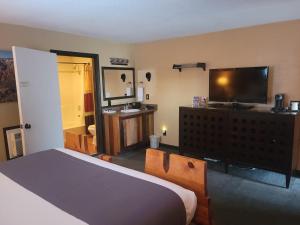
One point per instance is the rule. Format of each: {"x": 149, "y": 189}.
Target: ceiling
{"x": 134, "y": 21}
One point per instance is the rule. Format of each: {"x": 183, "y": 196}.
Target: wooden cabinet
{"x": 265, "y": 140}
{"x": 260, "y": 139}
{"x": 112, "y": 134}
{"x": 77, "y": 139}
{"x": 127, "y": 131}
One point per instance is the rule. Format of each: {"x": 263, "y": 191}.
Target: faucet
{"x": 126, "y": 106}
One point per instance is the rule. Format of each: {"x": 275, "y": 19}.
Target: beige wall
{"x": 45, "y": 40}
{"x": 276, "y": 45}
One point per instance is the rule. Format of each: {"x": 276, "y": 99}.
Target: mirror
{"x": 118, "y": 82}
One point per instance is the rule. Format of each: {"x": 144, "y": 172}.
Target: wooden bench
{"x": 187, "y": 172}
{"x": 184, "y": 171}
{"x": 80, "y": 142}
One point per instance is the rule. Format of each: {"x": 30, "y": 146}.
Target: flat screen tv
{"x": 245, "y": 85}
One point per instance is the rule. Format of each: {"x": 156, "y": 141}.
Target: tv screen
{"x": 248, "y": 85}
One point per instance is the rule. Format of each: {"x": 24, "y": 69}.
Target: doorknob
{"x": 27, "y": 126}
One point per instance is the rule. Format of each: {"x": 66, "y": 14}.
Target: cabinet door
{"x": 280, "y": 132}
{"x": 132, "y": 130}
{"x": 264, "y": 140}
{"x": 203, "y": 132}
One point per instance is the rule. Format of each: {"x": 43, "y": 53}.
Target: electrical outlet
{"x": 147, "y": 97}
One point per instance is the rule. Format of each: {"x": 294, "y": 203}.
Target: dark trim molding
{"x": 97, "y": 93}
{"x": 74, "y": 54}
{"x": 117, "y": 68}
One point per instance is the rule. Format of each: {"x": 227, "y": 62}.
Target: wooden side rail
{"x": 187, "y": 172}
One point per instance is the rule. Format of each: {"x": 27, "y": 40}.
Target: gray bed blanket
{"x": 95, "y": 194}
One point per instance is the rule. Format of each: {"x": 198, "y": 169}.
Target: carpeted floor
{"x": 244, "y": 196}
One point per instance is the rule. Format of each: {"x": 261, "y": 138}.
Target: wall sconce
{"x": 148, "y": 76}
{"x": 123, "y": 77}
{"x": 164, "y": 130}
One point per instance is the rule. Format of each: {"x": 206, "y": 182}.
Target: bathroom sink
{"x": 130, "y": 110}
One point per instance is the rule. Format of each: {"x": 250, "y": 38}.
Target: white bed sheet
{"x": 14, "y": 198}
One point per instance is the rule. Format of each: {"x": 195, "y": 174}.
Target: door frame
{"x": 97, "y": 93}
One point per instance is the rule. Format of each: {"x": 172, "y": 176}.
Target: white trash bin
{"x": 154, "y": 141}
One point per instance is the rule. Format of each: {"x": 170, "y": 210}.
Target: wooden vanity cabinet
{"x": 127, "y": 131}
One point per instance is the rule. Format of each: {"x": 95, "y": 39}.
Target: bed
{"x": 61, "y": 186}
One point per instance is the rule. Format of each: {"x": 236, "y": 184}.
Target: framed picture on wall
{"x": 8, "y": 90}
{"x": 13, "y": 142}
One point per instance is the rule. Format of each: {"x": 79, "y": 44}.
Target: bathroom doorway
{"x": 78, "y": 75}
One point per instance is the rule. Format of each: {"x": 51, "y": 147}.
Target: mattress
{"x": 15, "y": 198}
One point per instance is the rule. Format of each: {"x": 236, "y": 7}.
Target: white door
{"x": 38, "y": 99}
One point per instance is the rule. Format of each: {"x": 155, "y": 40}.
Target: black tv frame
{"x": 265, "y": 99}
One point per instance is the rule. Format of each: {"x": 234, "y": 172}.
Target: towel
{"x": 128, "y": 91}
{"x": 140, "y": 94}
{"x": 88, "y": 102}
{"x": 88, "y": 80}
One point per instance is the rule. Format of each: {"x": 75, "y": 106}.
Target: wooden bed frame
{"x": 187, "y": 172}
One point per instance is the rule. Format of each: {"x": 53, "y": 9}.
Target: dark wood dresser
{"x": 257, "y": 138}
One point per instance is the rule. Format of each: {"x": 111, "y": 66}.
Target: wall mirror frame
{"x": 105, "y": 73}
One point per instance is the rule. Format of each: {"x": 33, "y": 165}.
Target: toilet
{"x": 92, "y": 130}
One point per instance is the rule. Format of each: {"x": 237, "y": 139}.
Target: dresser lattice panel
{"x": 203, "y": 132}
{"x": 264, "y": 140}
{"x": 259, "y": 139}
